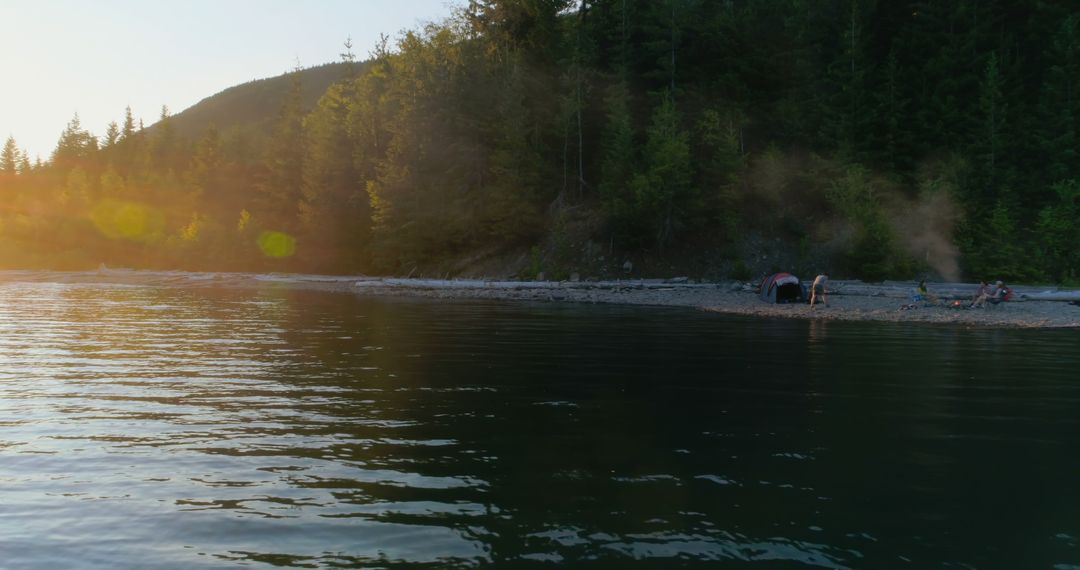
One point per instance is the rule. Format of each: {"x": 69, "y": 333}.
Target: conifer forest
{"x": 873, "y": 139}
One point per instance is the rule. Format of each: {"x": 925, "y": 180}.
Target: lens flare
{"x": 277, "y": 244}
{"x": 124, "y": 220}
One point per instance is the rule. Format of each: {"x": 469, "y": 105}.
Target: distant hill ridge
{"x": 250, "y": 108}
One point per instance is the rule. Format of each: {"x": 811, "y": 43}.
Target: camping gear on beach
{"x": 782, "y": 288}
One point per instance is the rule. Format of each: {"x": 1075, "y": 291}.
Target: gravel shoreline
{"x": 848, "y": 301}
{"x": 1036, "y": 307}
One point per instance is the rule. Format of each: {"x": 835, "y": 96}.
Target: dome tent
{"x": 782, "y": 288}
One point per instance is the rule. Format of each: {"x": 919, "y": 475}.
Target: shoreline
{"x": 1036, "y": 307}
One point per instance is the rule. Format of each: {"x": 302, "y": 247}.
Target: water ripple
{"x": 278, "y": 428}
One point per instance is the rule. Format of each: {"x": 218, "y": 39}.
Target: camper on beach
{"x": 820, "y": 287}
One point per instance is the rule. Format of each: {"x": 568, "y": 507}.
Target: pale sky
{"x": 95, "y": 57}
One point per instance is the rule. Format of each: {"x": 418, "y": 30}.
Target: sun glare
{"x": 277, "y": 244}
{"x": 124, "y": 220}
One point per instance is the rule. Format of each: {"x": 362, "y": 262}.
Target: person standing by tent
{"x": 820, "y": 286}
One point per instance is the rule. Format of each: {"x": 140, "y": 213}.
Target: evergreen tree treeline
{"x": 654, "y": 125}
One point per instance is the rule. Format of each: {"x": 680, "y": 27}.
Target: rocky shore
{"x": 1034, "y": 307}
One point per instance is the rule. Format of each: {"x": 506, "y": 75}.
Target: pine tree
{"x": 369, "y": 110}
{"x": 283, "y": 165}
{"x": 856, "y": 198}
{"x": 10, "y": 158}
{"x": 112, "y": 184}
{"x": 664, "y": 194}
{"x": 1059, "y": 233}
{"x": 575, "y": 85}
{"x": 129, "y": 154}
{"x": 206, "y": 165}
{"x": 333, "y": 205}
{"x": 529, "y": 27}
{"x": 607, "y": 31}
{"x": 165, "y": 151}
{"x": 661, "y": 30}
{"x": 791, "y": 44}
{"x": 349, "y": 59}
{"x": 849, "y": 108}
{"x": 989, "y": 139}
{"x": 1058, "y": 129}
{"x": 721, "y": 161}
{"x": 892, "y": 141}
{"x": 112, "y": 135}
{"x": 506, "y": 207}
{"x": 128, "y": 130}
{"x": 77, "y": 188}
{"x": 75, "y": 146}
{"x": 24, "y": 163}
{"x": 997, "y": 248}
{"x": 109, "y": 144}
{"x": 424, "y": 198}
{"x": 617, "y": 167}
{"x": 940, "y": 45}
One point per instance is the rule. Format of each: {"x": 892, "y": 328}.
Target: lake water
{"x": 162, "y": 428}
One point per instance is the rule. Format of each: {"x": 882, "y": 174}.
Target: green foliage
{"x": 75, "y": 148}
{"x": 993, "y": 247}
{"x": 873, "y": 254}
{"x": 9, "y": 158}
{"x": 165, "y": 146}
{"x": 721, "y": 164}
{"x": 249, "y": 109}
{"x": 848, "y": 112}
{"x": 283, "y": 164}
{"x": 334, "y": 210}
{"x": 112, "y": 184}
{"x": 618, "y": 166}
{"x": 892, "y": 146}
{"x": 527, "y": 26}
{"x": 506, "y": 202}
{"x": 1060, "y": 234}
{"x": 663, "y": 195}
{"x": 989, "y": 139}
{"x": 207, "y": 164}
{"x": 191, "y": 232}
{"x": 1058, "y": 127}
{"x": 819, "y": 120}
{"x": 720, "y": 134}
{"x": 740, "y": 271}
{"x": 536, "y": 262}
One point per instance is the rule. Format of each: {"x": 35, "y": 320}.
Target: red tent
{"x": 782, "y": 288}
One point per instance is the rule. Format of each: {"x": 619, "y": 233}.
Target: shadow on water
{"x": 285, "y": 428}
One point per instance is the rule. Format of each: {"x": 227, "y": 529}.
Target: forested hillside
{"x": 248, "y": 110}
{"x": 870, "y": 139}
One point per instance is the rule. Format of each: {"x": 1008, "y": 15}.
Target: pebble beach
{"x": 1034, "y": 307}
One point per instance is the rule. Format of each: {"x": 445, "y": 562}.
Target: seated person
{"x": 982, "y": 295}
{"x": 1001, "y": 293}
{"x": 923, "y": 294}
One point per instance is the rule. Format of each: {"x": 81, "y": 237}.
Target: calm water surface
{"x": 148, "y": 428}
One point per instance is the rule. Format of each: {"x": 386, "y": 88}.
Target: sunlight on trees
{"x": 648, "y": 127}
